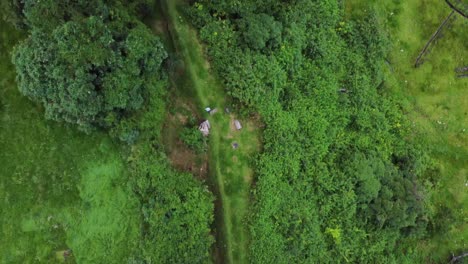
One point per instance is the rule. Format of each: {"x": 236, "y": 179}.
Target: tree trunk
{"x": 457, "y": 258}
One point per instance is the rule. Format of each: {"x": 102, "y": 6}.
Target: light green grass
{"x": 437, "y": 104}
{"x": 228, "y": 167}
{"x": 438, "y": 108}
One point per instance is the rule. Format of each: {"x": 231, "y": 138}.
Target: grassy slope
{"x": 229, "y": 168}
{"x": 437, "y": 103}
{"x": 41, "y": 165}
{"x": 438, "y": 108}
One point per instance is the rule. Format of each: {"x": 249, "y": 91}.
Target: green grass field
{"x": 230, "y": 168}
{"x": 436, "y": 102}
{"x": 438, "y": 105}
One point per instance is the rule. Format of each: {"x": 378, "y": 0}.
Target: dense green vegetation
{"x": 338, "y": 177}
{"x": 90, "y": 69}
{"x": 193, "y": 138}
{"x": 362, "y": 157}
{"x": 176, "y": 210}
{"x": 49, "y": 178}
{"x": 81, "y": 198}
{"x": 229, "y": 169}
{"x": 435, "y": 101}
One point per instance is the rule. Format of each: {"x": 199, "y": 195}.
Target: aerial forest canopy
{"x": 93, "y": 64}
{"x": 89, "y": 63}
{"x": 333, "y": 162}
{"x": 337, "y": 181}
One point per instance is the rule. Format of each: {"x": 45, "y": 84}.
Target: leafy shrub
{"x": 260, "y": 30}
{"x": 176, "y": 211}
{"x": 194, "y": 139}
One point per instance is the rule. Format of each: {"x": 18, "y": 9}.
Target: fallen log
{"x": 461, "y": 69}
{"x": 457, "y": 258}
{"x": 433, "y": 38}
{"x": 456, "y": 9}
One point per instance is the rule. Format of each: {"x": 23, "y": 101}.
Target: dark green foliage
{"x": 260, "y": 30}
{"x": 367, "y": 173}
{"x": 12, "y": 12}
{"x": 48, "y": 14}
{"x": 91, "y": 72}
{"x": 176, "y": 211}
{"x": 337, "y": 180}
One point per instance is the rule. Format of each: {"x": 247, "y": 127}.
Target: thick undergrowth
{"x": 338, "y": 179}
{"x": 91, "y": 198}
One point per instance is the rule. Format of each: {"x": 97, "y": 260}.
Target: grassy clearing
{"x": 46, "y": 170}
{"x": 436, "y": 102}
{"x": 229, "y": 168}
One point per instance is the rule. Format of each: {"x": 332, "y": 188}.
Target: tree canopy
{"x": 91, "y": 71}
{"x": 260, "y": 30}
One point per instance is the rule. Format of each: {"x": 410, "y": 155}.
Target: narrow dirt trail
{"x": 230, "y": 174}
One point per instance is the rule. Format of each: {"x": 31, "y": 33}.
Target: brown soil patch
{"x": 251, "y": 127}
{"x": 182, "y": 118}
{"x": 184, "y": 159}
{"x": 232, "y": 127}
{"x": 255, "y": 122}
{"x": 248, "y": 176}
{"x": 160, "y": 27}
{"x": 180, "y": 156}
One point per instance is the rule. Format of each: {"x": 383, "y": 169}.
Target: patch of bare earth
{"x": 184, "y": 159}
{"x": 180, "y": 156}
{"x": 248, "y": 176}
{"x": 235, "y": 159}
{"x": 160, "y": 27}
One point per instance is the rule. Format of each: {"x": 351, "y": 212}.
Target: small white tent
{"x": 237, "y": 124}
{"x": 205, "y": 127}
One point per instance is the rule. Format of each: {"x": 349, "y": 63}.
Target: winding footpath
{"x": 230, "y": 175}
